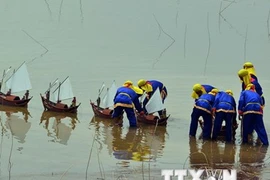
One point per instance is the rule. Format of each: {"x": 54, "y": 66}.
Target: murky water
{"x": 101, "y": 41}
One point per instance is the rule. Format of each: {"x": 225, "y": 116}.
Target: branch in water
{"x": 232, "y": 27}
{"x": 209, "y": 44}
{"x": 245, "y": 44}
{"x": 185, "y": 41}
{"x": 268, "y": 30}
{"x": 60, "y": 10}
{"x": 173, "y": 40}
{"x": 41, "y": 55}
{"x": 48, "y": 7}
{"x": 81, "y": 10}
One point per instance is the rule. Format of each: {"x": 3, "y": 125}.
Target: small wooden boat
{"x": 18, "y": 82}
{"x": 62, "y": 92}
{"x": 152, "y": 119}
{"x": 101, "y": 112}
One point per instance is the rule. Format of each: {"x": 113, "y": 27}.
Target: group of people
{"x": 127, "y": 99}
{"x": 214, "y": 106}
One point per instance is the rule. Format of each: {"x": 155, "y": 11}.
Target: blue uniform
{"x": 258, "y": 88}
{"x": 203, "y": 107}
{"x": 250, "y": 104}
{"x": 163, "y": 91}
{"x": 225, "y": 109}
{"x": 208, "y": 88}
{"x": 125, "y": 99}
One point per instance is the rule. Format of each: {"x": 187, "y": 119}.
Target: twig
{"x": 66, "y": 171}
{"x": 60, "y": 10}
{"x": 81, "y": 10}
{"x": 176, "y": 19}
{"x": 268, "y": 25}
{"x": 245, "y": 44}
{"x": 209, "y": 45}
{"x": 185, "y": 38}
{"x": 48, "y": 7}
{"x": 10, "y": 153}
{"x": 232, "y": 27}
{"x": 42, "y": 54}
{"x": 89, "y": 158}
{"x": 151, "y": 148}
{"x": 227, "y": 7}
{"x": 219, "y": 14}
{"x": 173, "y": 40}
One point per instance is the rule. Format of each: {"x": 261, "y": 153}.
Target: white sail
{"x": 109, "y": 96}
{"x": 155, "y": 103}
{"x": 64, "y": 91}
{"x": 141, "y": 99}
{"x": 5, "y": 75}
{"x": 19, "y": 80}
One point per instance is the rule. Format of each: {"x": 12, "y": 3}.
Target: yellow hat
{"x": 247, "y": 65}
{"x": 229, "y": 92}
{"x": 128, "y": 83}
{"x": 213, "y": 91}
{"x": 197, "y": 87}
{"x": 242, "y": 73}
{"x": 144, "y": 85}
{"x": 141, "y": 82}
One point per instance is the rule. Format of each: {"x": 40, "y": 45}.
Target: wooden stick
{"x": 60, "y": 10}
{"x": 185, "y": 39}
{"x": 42, "y": 54}
{"x": 209, "y": 44}
{"x": 48, "y": 7}
{"x": 245, "y": 44}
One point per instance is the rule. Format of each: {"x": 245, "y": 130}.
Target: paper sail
{"x": 155, "y": 103}
{"x": 109, "y": 97}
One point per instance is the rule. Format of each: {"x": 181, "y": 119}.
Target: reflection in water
{"x": 215, "y": 155}
{"x": 60, "y": 131}
{"x": 137, "y": 144}
{"x": 17, "y": 125}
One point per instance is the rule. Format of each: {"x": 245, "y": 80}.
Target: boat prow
{"x": 101, "y": 112}
{"x": 58, "y": 107}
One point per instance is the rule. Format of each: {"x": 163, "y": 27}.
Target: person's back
{"x": 156, "y": 84}
{"x": 126, "y": 95}
{"x": 206, "y": 102}
{"x": 224, "y": 101}
{"x": 250, "y": 100}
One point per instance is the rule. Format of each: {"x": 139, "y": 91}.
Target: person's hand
{"x": 142, "y": 113}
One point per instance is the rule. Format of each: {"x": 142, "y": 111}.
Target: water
{"x": 102, "y": 41}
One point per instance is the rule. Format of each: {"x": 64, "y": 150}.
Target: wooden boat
{"x": 152, "y": 119}
{"x": 62, "y": 92}
{"x": 18, "y": 82}
{"x": 101, "y": 112}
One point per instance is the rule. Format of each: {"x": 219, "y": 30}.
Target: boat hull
{"x": 146, "y": 119}
{"x": 57, "y": 107}
{"x": 12, "y": 100}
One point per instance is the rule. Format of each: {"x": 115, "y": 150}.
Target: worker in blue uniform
{"x": 203, "y": 107}
{"x": 150, "y": 86}
{"x": 127, "y": 99}
{"x": 250, "y": 108}
{"x": 224, "y": 108}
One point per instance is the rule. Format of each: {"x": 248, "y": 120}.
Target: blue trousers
{"x": 220, "y": 116}
{"x": 130, "y": 114}
{"x": 207, "y": 118}
{"x": 256, "y": 121}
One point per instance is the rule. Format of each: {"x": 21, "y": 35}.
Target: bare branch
{"x": 173, "y": 40}
{"x": 185, "y": 38}
{"x": 226, "y": 7}
{"x": 48, "y": 7}
{"x": 245, "y": 44}
{"x": 41, "y": 55}
{"x": 60, "y": 10}
{"x": 209, "y": 44}
{"x": 81, "y": 10}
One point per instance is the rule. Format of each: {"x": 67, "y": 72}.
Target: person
{"x": 247, "y": 79}
{"x": 250, "y": 108}
{"x": 200, "y": 89}
{"x": 150, "y": 86}
{"x": 203, "y": 107}
{"x": 224, "y": 108}
{"x": 26, "y": 95}
{"x": 9, "y": 92}
{"x": 250, "y": 68}
{"x": 126, "y": 98}
{"x": 47, "y": 93}
{"x": 73, "y": 103}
